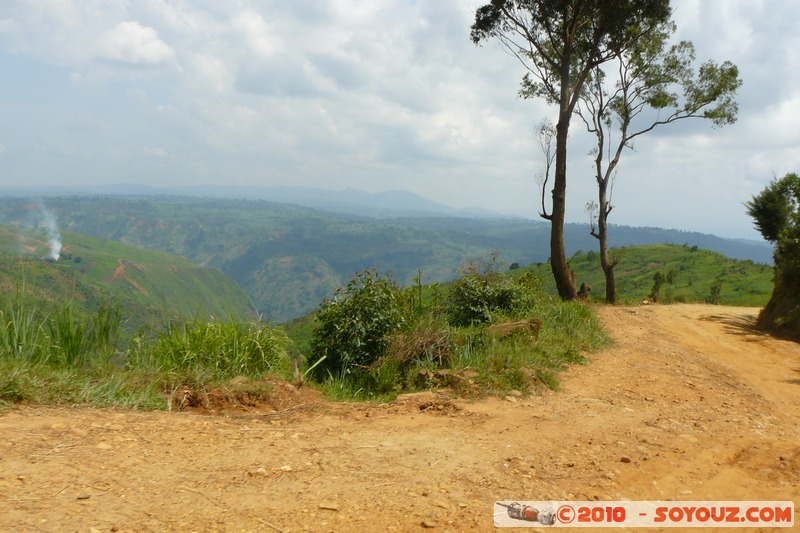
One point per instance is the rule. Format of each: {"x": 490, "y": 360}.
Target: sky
{"x": 370, "y": 94}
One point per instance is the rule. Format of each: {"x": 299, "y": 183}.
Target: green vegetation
{"x": 148, "y": 287}
{"x": 287, "y": 258}
{"x": 109, "y": 323}
{"x": 671, "y": 273}
{"x": 73, "y": 357}
{"x": 353, "y": 327}
{"x": 376, "y": 339}
{"x": 776, "y": 212}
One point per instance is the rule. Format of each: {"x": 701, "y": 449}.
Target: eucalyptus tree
{"x": 560, "y": 42}
{"x": 654, "y": 83}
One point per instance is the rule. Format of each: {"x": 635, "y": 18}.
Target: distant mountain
{"x": 386, "y": 204}
{"x": 288, "y": 258}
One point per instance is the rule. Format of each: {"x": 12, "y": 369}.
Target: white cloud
{"x": 131, "y": 43}
{"x": 372, "y": 95}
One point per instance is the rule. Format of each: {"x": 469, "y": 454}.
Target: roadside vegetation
{"x": 776, "y": 213}
{"x": 70, "y": 356}
{"x": 374, "y": 339}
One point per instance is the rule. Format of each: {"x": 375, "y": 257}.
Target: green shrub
{"x": 482, "y": 292}
{"x": 352, "y": 328}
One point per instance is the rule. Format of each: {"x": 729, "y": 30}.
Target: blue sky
{"x": 374, "y": 95}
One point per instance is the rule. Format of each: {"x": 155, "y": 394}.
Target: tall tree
{"x": 650, "y": 77}
{"x": 776, "y": 212}
{"x": 560, "y": 42}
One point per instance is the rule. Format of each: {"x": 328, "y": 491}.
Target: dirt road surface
{"x": 689, "y": 404}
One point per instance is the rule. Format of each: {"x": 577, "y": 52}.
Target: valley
{"x": 288, "y": 258}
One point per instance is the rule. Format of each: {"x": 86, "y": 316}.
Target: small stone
{"x": 428, "y": 524}
{"x": 286, "y": 468}
{"x": 511, "y": 399}
{"x": 387, "y": 444}
{"x": 625, "y": 459}
{"x": 329, "y": 506}
{"x": 784, "y": 457}
{"x": 257, "y": 472}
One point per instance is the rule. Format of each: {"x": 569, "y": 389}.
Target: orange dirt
{"x": 689, "y": 404}
{"x": 120, "y": 272}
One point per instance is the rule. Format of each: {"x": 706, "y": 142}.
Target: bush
{"x": 352, "y": 328}
{"x": 482, "y": 292}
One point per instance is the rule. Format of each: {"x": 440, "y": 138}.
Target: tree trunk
{"x": 562, "y": 273}
{"x": 602, "y": 236}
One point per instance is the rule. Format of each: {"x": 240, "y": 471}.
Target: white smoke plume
{"x": 53, "y": 235}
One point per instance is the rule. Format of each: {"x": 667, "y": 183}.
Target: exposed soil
{"x": 689, "y": 404}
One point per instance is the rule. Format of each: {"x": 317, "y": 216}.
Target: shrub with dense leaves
{"x": 483, "y": 292}
{"x": 353, "y": 327}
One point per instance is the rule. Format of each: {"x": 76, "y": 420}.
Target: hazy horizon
{"x": 371, "y": 96}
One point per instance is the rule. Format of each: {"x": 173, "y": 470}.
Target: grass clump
{"x": 71, "y": 357}
{"x": 227, "y": 349}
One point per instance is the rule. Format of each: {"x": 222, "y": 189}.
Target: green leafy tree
{"x": 776, "y": 213}
{"x": 560, "y": 42}
{"x": 650, "y": 76}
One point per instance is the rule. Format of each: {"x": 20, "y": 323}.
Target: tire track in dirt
{"x": 689, "y": 404}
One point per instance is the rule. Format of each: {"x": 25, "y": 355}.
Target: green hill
{"x": 689, "y": 274}
{"x": 287, "y": 258}
{"x": 150, "y": 286}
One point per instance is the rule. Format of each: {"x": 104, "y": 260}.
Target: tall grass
{"x": 227, "y": 349}
{"x": 73, "y": 357}
{"x": 22, "y": 334}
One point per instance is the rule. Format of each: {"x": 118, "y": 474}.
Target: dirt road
{"x": 689, "y": 404}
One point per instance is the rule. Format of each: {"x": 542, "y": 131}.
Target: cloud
{"x": 131, "y": 43}
{"x": 371, "y": 95}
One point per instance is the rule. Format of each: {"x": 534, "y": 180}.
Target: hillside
{"x": 151, "y": 286}
{"x": 689, "y": 275}
{"x": 288, "y": 258}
